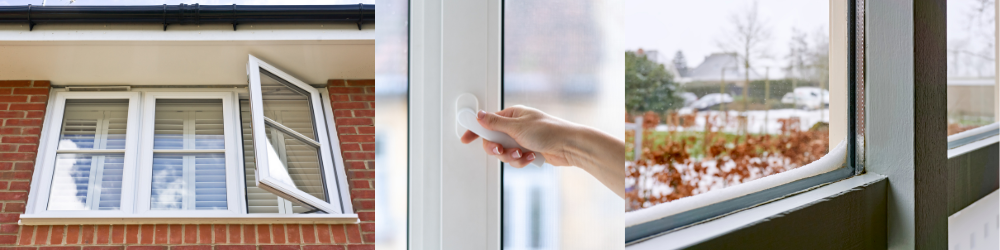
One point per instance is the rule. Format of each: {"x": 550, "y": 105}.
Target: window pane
{"x": 286, "y": 104}
{"x": 562, "y": 57}
{"x": 94, "y": 124}
{"x": 391, "y": 88}
{"x": 971, "y": 64}
{"x": 188, "y": 124}
{"x": 87, "y": 182}
{"x": 297, "y": 163}
{"x": 258, "y": 200}
{"x": 730, "y": 99}
{"x": 188, "y": 182}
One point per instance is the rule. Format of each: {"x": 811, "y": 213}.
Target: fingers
{"x": 495, "y": 122}
{"x": 469, "y": 136}
{"x": 517, "y": 158}
{"x": 492, "y": 148}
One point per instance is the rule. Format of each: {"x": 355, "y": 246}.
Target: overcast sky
{"x": 206, "y": 2}
{"x": 694, "y": 27}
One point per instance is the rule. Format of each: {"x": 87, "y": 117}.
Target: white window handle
{"x": 467, "y": 118}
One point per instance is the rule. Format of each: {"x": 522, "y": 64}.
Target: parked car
{"x": 711, "y": 101}
{"x": 689, "y": 98}
{"x": 808, "y": 98}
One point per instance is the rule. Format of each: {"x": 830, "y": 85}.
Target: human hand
{"x": 534, "y": 130}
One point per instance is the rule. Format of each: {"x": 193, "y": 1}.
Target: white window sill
{"x": 29, "y": 219}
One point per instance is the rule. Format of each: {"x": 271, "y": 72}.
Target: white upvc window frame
{"x": 265, "y": 179}
{"x": 135, "y": 201}
{"x": 48, "y": 148}
{"x": 235, "y": 205}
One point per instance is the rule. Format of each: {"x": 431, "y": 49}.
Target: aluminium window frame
{"x": 235, "y": 205}
{"x": 35, "y": 214}
{"x": 853, "y": 165}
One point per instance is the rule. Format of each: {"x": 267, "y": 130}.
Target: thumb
{"x": 495, "y": 122}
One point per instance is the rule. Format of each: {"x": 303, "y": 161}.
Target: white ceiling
{"x": 184, "y": 56}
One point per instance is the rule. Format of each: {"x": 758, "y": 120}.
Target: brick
{"x": 190, "y": 234}
{"x": 343, "y": 113}
{"x": 249, "y": 235}
{"x": 354, "y": 121}
{"x": 103, "y": 234}
{"x": 336, "y": 82}
{"x": 117, "y": 234}
{"x": 364, "y": 113}
{"x": 31, "y": 131}
{"x": 35, "y": 114}
{"x": 370, "y": 147}
{"x": 323, "y": 233}
{"x": 146, "y": 234}
{"x": 368, "y": 237}
{"x": 361, "y": 247}
{"x": 334, "y": 90}
{"x": 278, "y": 233}
{"x": 6, "y": 91}
{"x": 279, "y": 247}
{"x": 72, "y": 234}
{"x": 56, "y": 238}
{"x": 9, "y": 217}
{"x": 20, "y": 139}
{"x": 24, "y": 166}
{"x": 26, "y": 106}
{"x": 31, "y": 91}
{"x": 340, "y": 98}
{"x": 204, "y": 234}
{"x": 234, "y": 233}
{"x": 363, "y": 194}
{"x": 359, "y": 156}
{"x": 41, "y": 235}
{"x": 27, "y": 148}
{"x": 105, "y": 248}
{"x": 360, "y": 184}
{"x": 9, "y": 228}
{"x": 366, "y": 216}
{"x": 146, "y": 248}
{"x": 370, "y": 90}
{"x": 366, "y": 205}
{"x": 357, "y": 138}
{"x": 132, "y": 234}
{"x": 15, "y": 156}
{"x": 176, "y": 234}
{"x": 322, "y": 247}
{"x": 8, "y": 147}
{"x": 292, "y": 231}
{"x": 42, "y": 84}
{"x": 201, "y": 247}
{"x": 335, "y": 106}
{"x": 58, "y": 248}
{"x": 8, "y": 240}
{"x": 350, "y": 147}
{"x": 13, "y": 98}
{"x": 346, "y": 130}
{"x": 368, "y": 227}
{"x": 220, "y": 234}
{"x": 87, "y": 234}
{"x": 21, "y": 114}
{"x": 362, "y": 98}
{"x": 361, "y": 82}
{"x": 264, "y": 234}
{"x": 364, "y": 174}
{"x": 18, "y": 83}
{"x": 26, "y": 233}
{"x": 339, "y": 236}
{"x": 356, "y": 165}
{"x": 162, "y": 234}
{"x": 13, "y": 196}
{"x": 10, "y": 131}
{"x": 39, "y": 98}
{"x": 235, "y": 247}
{"x": 308, "y": 232}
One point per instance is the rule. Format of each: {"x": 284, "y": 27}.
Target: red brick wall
{"x": 354, "y": 113}
{"x": 22, "y": 108}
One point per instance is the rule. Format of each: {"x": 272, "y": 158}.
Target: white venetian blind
{"x": 90, "y": 156}
{"x": 189, "y": 167}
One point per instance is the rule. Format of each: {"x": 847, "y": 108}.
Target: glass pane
{"x": 295, "y": 163}
{"x": 972, "y": 89}
{"x": 562, "y": 57}
{"x": 87, "y": 182}
{"x": 258, "y": 200}
{"x": 188, "y": 124}
{"x": 287, "y": 104}
{"x": 188, "y": 182}
{"x": 744, "y": 93}
{"x": 94, "y": 124}
{"x": 390, "y": 182}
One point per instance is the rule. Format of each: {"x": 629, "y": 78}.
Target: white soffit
{"x": 134, "y": 54}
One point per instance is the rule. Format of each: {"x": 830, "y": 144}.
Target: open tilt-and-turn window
{"x": 262, "y": 151}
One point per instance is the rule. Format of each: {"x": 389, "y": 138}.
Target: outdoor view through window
{"x": 971, "y": 64}
{"x": 720, "y": 93}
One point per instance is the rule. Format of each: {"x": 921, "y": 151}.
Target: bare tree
{"x": 748, "y": 40}
{"x": 972, "y": 54}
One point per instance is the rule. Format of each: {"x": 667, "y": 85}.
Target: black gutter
{"x": 189, "y": 14}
